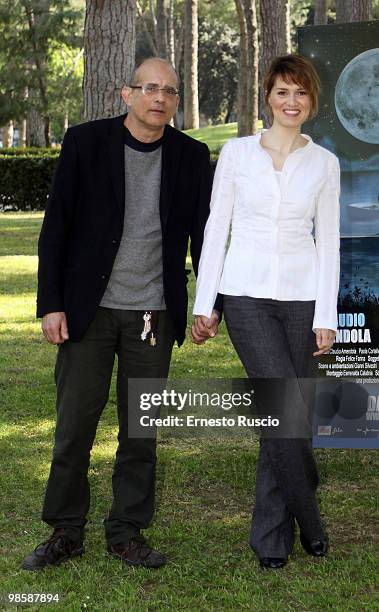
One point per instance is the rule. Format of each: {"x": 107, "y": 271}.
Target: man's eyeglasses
{"x": 151, "y": 89}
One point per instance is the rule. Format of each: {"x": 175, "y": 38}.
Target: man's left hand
{"x": 204, "y": 328}
{"x": 324, "y": 339}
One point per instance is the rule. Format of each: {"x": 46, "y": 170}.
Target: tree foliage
{"x": 218, "y": 70}
{"x": 65, "y": 86}
{"x": 30, "y": 33}
{"x": 41, "y": 42}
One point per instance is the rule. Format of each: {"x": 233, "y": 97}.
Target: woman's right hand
{"x": 324, "y": 339}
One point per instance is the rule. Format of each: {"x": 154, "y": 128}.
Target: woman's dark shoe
{"x": 316, "y": 548}
{"x": 272, "y": 562}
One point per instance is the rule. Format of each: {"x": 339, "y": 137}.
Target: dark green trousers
{"x": 83, "y": 375}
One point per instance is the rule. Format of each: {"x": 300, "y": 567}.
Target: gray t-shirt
{"x": 136, "y": 282}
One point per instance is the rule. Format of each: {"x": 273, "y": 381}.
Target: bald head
{"x": 151, "y": 98}
{"x": 151, "y": 61}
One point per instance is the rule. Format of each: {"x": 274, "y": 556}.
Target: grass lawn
{"x": 214, "y": 135}
{"x": 204, "y": 489}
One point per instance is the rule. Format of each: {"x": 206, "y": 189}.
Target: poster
{"x": 346, "y": 57}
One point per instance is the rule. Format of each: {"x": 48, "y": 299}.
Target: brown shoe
{"x": 56, "y": 549}
{"x": 137, "y": 552}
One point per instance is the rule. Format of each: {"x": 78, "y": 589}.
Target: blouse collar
{"x": 306, "y": 136}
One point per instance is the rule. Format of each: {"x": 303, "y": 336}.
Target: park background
{"x": 62, "y": 62}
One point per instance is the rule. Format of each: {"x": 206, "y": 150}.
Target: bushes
{"x": 30, "y": 151}
{"x": 25, "y": 177}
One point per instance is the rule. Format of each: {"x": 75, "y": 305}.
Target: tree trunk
{"x": 177, "y": 37}
{"x": 109, "y": 51}
{"x": 275, "y": 26}
{"x": 179, "y": 48}
{"x": 152, "y": 12}
{"x": 275, "y": 39}
{"x": 65, "y": 124}
{"x": 343, "y": 11}
{"x": 143, "y": 20}
{"x": 36, "y": 14}
{"x": 243, "y": 71}
{"x": 35, "y": 128}
{"x": 171, "y": 33}
{"x": 228, "y": 115}
{"x": 191, "y": 97}
{"x": 22, "y": 141}
{"x": 8, "y": 130}
{"x": 353, "y": 10}
{"x": 252, "y": 65}
{"x": 361, "y": 10}
{"x": 162, "y": 43}
{"x": 321, "y": 17}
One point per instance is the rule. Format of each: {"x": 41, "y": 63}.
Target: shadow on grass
{"x": 184, "y": 488}
{"x": 202, "y": 521}
{"x": 208, "y": 474}
{"x": 200, "y": 500}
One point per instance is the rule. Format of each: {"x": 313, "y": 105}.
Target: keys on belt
{"x": 150, "y": 318}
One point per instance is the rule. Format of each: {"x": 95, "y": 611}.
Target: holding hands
{"x": 205, "y": 327}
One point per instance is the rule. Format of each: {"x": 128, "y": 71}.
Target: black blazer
{"x": 84, "y": 218}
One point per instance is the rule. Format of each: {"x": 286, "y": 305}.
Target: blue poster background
{"x": 346, "y": 57}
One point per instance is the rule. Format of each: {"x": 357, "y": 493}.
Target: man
{"x": 127, "y": 194}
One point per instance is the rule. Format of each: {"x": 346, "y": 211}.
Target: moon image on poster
{"x": 357, "y": 97}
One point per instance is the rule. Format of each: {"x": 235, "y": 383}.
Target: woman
{"x": 280, "y": 286}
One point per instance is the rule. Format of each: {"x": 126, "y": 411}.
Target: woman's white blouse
{"x": 273, "y": 252}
